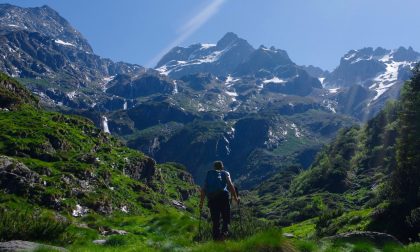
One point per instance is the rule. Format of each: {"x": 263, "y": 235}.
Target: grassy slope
{"x": 56, "y": 146}
{"x": 77, "y": 164}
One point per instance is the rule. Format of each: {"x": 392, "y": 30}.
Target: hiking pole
{"x": 240, "y": 218}
{"x": 239, "y": 212}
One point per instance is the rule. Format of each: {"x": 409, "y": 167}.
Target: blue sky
{"x": 316, "y": 32}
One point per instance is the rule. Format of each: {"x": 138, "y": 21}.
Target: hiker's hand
{"x": 238, "y": 200}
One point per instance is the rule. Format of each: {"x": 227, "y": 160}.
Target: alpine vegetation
{"x": 220, "y": 146}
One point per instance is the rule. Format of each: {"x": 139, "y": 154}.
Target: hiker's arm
{"x": 202, "y": 196}
{"x": 232, "y": 189}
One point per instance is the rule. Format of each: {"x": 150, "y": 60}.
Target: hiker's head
{"x": 218, "y": 165}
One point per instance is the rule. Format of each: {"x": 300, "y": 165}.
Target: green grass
{"x": 270, "y": 240}
{"x": 31, "y": 224}
{"x": 302, "y": 230}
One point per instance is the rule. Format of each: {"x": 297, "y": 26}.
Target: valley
{"x": 109, "y": 156}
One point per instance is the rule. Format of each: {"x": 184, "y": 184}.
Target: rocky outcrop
{"x": 376, "y": 238}
{"x": 141, "y": 169}
{"x": 13, "y": 94}
{"x": 145, "y": 85}
{"x": 17, "y": 245}
{"x": 17, "y": 178}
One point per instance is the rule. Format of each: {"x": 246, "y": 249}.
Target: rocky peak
{"x": 405, "y": 54}
{"x": 228, "y": 39}
{"x": 43, "y": 20}
{"x": 264, "y": 58}
{"x": 219, "y": 59}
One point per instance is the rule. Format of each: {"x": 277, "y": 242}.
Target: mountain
{"x": 365, "y": 179}
{"x": 379, "y": 73}
{"x": 53, "y": 59}
{"x": 235, "y": 57}
{"x": 209, "y": 98}
{"x": 346, "y": 179}
{"x": 377, "y": 69}
{"x": 316, "y": 72}
{"x": 220, "y": 59}
{"x": 45, "y": 21}
{"x": 210, "y": 101}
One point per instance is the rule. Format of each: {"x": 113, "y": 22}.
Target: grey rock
{"x": 100, "y": 242}
{"x": 17, "y": 245}
{"x": 178, "y": 204}
{"x": 376, "y": 238}
{"x": 16, "y": 177}
{"x": 140, "y": 169}
{"x": 288, "y": 235}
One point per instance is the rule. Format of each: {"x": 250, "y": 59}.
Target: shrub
{"x": 324, "y": 223}
{"x": 30, "y": 225}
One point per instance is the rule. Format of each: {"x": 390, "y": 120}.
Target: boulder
{"x": 15, "y": 177}
{"x": 141, "y": 169}
{"x": 376, "y": 238}
{"x": 17, "y": 245}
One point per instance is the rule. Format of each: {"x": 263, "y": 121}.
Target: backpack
{"x": 216, "y": 182}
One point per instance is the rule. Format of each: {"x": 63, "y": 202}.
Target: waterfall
{"x": 105, "y": 125}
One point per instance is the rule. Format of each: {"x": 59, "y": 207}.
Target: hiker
{"x": 216, "y": 187}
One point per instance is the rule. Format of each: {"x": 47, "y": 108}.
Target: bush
{"x": 363, "y": 247}
{"x": 30, "y": 225}
{"x": 116, "y": 240}
{"x": 324, "y": 223}
{"x": 306, "y": 246}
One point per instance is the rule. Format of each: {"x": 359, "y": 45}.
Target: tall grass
{"x": 268, "y": 241}
{"x": 30, "y": 225}
{"x": 243, "y": 224}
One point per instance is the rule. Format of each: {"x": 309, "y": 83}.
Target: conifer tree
{"x": 405, "y": 184}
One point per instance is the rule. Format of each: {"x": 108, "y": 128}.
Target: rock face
{"x": 145, "y": 85}
{"x": 221, "y": 58}
{"x": 380, "y": 72}
{"x": 13, "y": 94}
{"x": 141, "y": 169}
{"x": 373, "y": 237}
{"x": 38, "y": 43}
{"x": 16, "y": 178}
{"x": 16, "y": 246}
{"x": 234, "y": 56}
{"x": 197, "y": 94}
{"x": 43, "y": 20}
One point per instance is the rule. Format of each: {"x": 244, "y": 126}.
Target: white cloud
{"x": 185, "y": 31}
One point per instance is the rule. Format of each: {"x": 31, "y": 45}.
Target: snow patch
{"x": 330, "y": 105}
{"x": 348, "y": 57}
{"x": 163, "y": 70}
{"x": 71, "y": 95}
{"x": 385, "y": 81}
{"x": 109, "y": 78}
{"x": 274, "y": 80}
{"x": 333, "y": 90}
{"x": 61, "y": 42}
{"x": 233, "y": 94}
{"x": 207, "y": 46}
{"x": 106, "y": 80}
{"x": 230, "y": 80}
{"x": 298, "y": 133}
